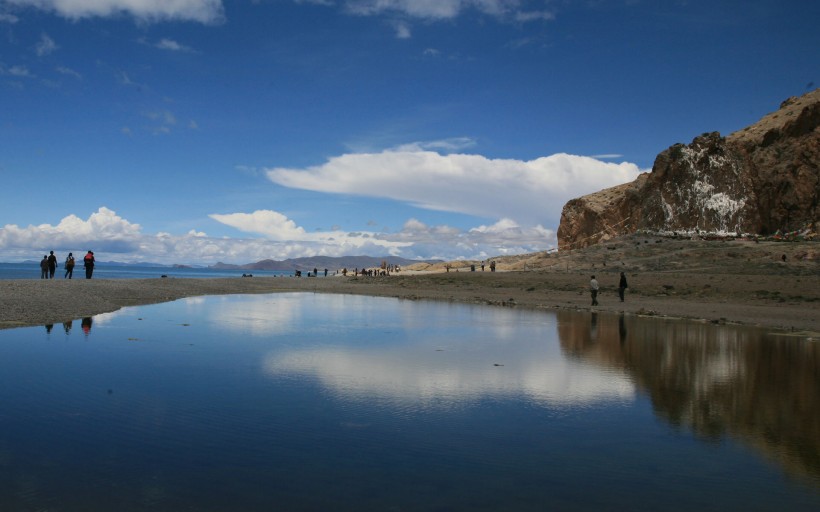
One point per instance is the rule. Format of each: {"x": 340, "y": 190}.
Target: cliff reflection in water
{"x": 759, "y": 388}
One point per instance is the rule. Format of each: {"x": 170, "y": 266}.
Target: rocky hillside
{"x": 758, "y": 180}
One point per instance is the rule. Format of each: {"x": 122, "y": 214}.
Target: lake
{"x": 299, "y": 401}
{"x": 31, "y": 270}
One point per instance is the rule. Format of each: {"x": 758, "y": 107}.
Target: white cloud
{"x": 529, "y": 192}
{"x": 450, "y": 145}
{"x": 203, "y": 11}
{"x": 112, "y": 237}
{"x": 525, "y": 16}
{"x": 436, "y": 9}
{"x": 171, "y": 45}
{"x": 16, "y": 71}
{"x": 271, "y": 224}
{"x": 164, "y": 120}
{"x": 403, "y": 31}
{"x": 69, "y": 72}
{"x": 45, "y": 46}
{"x": 8, "y": 18}
{"x": 446, "y": 9}
{"x": 103, "y": 227}
{"x": 446, "y": 242}
{"x": 115, "y": 238}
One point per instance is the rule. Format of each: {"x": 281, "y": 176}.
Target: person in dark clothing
{"x": 69, "y": 266}
{"x": 52, "y": 264}
{"x": 88, "y": 263}
{"x": 622, "y": 286}
{"x": 44, "y": 267}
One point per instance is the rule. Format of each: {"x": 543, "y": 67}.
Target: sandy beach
{"x": 781, "y": 302}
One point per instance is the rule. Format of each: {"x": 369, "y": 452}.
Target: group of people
{"x": 594, "y": 286}
{"x": 48, "y": 265}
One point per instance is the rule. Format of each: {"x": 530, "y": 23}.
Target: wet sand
{"x": 790, "y": 303}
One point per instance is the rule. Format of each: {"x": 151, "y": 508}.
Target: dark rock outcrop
{"x": 758, "y": 180}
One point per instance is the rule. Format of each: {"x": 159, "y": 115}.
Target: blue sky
{"x": 197, "y": 131}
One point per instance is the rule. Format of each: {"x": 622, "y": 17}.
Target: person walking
{"x": 69, "y": 266}
{"x": 88, "y": 263}
{"x": 52, "y": 264}
{"x": 593, "y": 290}
{"x": 622, "y": 286}
{"x": 44, "y": 267}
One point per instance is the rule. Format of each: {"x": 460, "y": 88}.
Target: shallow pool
{"x": 333, "y": 402}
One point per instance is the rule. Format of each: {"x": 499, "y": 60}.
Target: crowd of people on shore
{"x": 48, "y": 265}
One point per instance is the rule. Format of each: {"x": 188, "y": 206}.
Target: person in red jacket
{"x": 88, "y": 263}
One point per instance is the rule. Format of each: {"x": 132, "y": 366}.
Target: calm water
{"x": 332, "y": 402}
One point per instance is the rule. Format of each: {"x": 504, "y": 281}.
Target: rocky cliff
{"x": 758, "y": 180}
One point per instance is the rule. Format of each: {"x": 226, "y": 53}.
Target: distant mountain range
{"x": 321, "y": 263}
{"x": 318, "y": 262}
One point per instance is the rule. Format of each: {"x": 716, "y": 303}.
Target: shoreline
{"x": 769, "y": 302}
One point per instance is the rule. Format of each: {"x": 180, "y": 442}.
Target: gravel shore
{"x": 790, "y": 303}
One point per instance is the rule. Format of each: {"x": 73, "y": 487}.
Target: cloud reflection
{"x": 422, "y": 362}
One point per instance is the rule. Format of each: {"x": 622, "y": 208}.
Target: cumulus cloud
{"x": 102, "y": 228}
{"x": 269, "y": 223}
{"x": 115, "y": 238}
{"x": 112, "y": 237}
{"x": 529, "y": 192}
{"x": 202, "y": 11}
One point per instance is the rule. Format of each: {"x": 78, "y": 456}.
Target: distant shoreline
{"x": 715, "y": 298}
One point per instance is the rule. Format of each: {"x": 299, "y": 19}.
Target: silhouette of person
{"x": 622, "y": 286}
{"x": 52, "y": 264}
{"x": 88, "y": 263}
{"x": 44, "y": 267}
{"x": 69, "y": 266}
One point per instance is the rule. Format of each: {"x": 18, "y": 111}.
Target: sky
{"x": 200, "y": 131}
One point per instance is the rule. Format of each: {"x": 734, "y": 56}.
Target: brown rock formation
{"x": 758, "y": 180}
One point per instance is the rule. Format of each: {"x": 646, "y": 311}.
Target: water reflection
{"x": 330, "y": 402}
{"x": 716, "y": 380}
{"x": 486, "y": 358}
